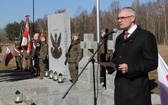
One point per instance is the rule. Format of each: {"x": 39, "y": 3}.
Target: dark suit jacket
{"x": 140, "y": 53}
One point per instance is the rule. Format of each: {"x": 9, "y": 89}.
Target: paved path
{"x": 49, "y": 92}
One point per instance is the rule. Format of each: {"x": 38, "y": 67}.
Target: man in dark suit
{"x": 135, "y": 55}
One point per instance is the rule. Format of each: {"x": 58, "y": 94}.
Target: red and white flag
{"x": 163, "y": 80}
{"x": 26, "y": 36}
{"x": 8, "y": 56}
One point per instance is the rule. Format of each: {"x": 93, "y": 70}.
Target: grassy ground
{"x": 163, "y": 51}
{"x": 11, "y": 64}
{"x": 153, "y": 74}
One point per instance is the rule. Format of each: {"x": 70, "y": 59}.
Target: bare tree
{"x": 113, "y": 10}
{"x": 163, "y": 12}
{"x": 2, "y": 35}
{"x": 92, "y": 22}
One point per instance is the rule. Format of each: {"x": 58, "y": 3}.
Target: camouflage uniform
{"x": 106, "y": 54}
{"x": 17, "y": 54}
{"x": 43, "y": 60}
{"x": 74, "y": 56}
{"x": 26, "y": 59}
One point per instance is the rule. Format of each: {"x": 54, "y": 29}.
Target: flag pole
{"x": 98, "y": 28}
{"x": 33, "y": 16}
{"x": 98, "y": 52}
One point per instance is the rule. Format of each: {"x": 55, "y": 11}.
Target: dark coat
{"x": 140, "y": 53}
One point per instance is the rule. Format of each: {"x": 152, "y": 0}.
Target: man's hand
{"x": 123, "y": 68}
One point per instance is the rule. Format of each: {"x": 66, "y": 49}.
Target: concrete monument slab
{"x": 88, "y": 46}
{"x": 59, "y": 35}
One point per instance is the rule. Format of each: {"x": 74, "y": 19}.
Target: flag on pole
{"x": 8, "y": 56}
{"x": 20, "y": 37}
{"x": 26, "y": 36}
{"x": 163, "y": 80}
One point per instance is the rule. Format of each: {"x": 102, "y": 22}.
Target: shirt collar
{"x": 132, "y": 29}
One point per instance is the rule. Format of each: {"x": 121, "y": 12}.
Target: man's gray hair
{"x": 130, "y": 8}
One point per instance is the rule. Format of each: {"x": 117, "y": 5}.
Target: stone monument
{"x": 88, "y": 46}
{"x": 59, "y": 35}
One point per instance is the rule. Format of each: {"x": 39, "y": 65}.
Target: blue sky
{"x": 14, "y": 10}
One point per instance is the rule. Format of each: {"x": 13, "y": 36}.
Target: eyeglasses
{"x": 122, "y": 18}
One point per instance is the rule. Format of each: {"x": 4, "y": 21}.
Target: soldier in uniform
{"x": 105, "y": 56}
{"x": 43, "y": 56}
{"x": 74, "y": 55}
{"x": 26, "y": 59}
{"x": 106, "y": 53}
{"x": 17, "y": 54}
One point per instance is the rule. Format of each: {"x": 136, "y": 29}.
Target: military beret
{"x": 75, "y": 34}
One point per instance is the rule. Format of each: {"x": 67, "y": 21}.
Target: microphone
{"x": 113, "y": 31}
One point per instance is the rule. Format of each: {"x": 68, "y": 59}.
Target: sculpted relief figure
{"x": 56, "y": 50}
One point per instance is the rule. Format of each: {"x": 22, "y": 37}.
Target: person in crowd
{"x": 26, "y": 59}
{"x": 36, "y": 43}
{"x": 105, "y": 55}
{"x": 43, "y": 56}
{"x": 73, "y": 56}
{"x": 135, "y": 55}
{"x": 17, "y": 54}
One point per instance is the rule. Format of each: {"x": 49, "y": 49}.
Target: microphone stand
{"x": 90, "y": 60}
